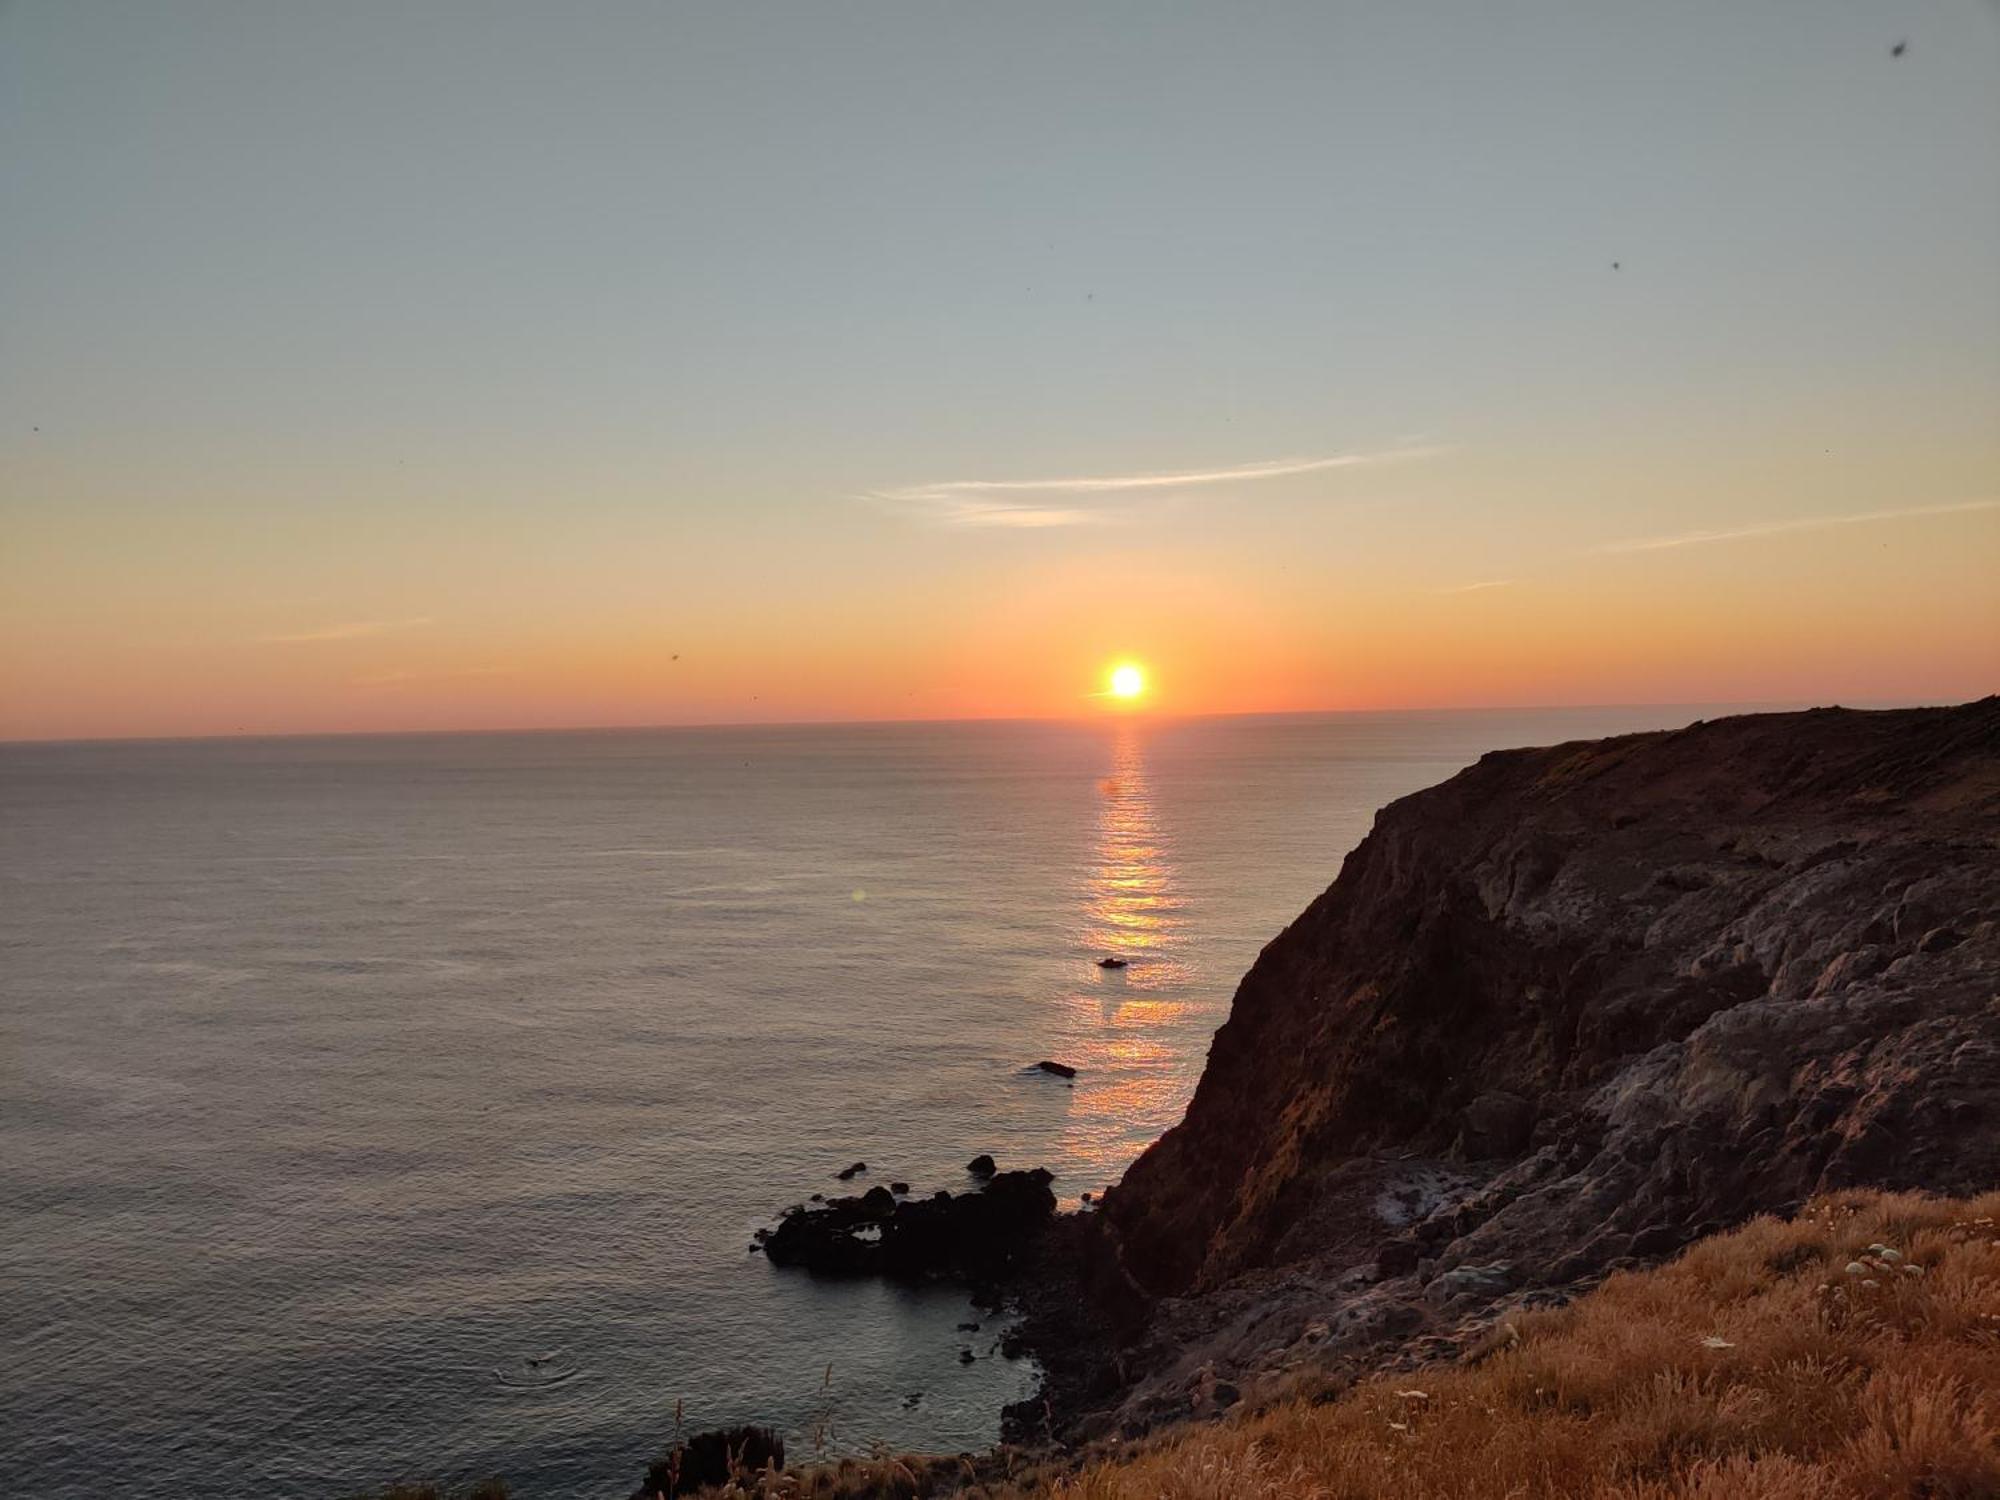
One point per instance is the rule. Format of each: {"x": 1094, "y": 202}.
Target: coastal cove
{"x": 378, "y": 1106}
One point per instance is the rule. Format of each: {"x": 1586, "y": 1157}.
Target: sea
{"x": 384, "y": 1108}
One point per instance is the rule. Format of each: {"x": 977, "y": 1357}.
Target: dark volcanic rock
{"x": 978, "y": 1236}
{"x": 1568, "y": 1011}
{"x": 1496, "y": 1124}
{"x": 982, "y": 1166}
{"x": 1060, "y": 1070}
{"x": 847, "y": 1174}
{"x": 712, "y": 1458}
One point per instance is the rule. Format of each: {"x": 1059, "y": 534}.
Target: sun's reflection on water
{"x": 1130, "y": 908}
{"x": 1124, "y": 1019}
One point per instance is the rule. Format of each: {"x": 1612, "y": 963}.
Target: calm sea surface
{"x": 380, "y": 1107}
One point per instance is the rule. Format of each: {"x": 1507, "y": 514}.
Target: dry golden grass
{"x": 1782, "y": 1361}
{"x": 1758, "y": 1366}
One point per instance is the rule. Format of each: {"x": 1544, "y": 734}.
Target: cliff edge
{"x": 1567, "y": 1012}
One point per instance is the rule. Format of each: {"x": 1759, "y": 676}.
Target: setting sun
{"x": 1127, "y": 681}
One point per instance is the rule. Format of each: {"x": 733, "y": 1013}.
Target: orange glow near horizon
{"x": 752, "y": 637}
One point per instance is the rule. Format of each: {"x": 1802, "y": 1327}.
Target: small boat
{"x": 1111, "y": 963}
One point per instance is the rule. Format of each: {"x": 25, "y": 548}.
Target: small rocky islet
{"x": 978, "y": 1237}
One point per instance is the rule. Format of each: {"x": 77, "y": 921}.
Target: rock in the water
{"x": 710, "y": 1459}
{"x": 1061, "y": 1070}
{"x": 977, "y": 1236}
{"x": 848, "y": 1174}
{"x": 982, "y": 1166}
{"x": 899, "y": 1188}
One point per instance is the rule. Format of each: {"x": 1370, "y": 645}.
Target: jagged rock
{"x": 847, "y": 1174}
{"x": 1060, "y": 1070}
{"x": 977, "y": 1236}
{"x": 982, "y": 1166}
{"x": 1496, "y": 1124}
{"x": 1397, "y": 1258}
{"x": 1488, "y": 1281}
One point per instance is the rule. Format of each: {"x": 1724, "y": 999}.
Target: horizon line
{"x": 1746, "y": 705}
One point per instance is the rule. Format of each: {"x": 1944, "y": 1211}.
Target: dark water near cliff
{"x": 343, "y": 1077}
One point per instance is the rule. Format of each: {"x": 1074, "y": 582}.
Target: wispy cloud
{"x": 1802, "y": 523}
{"x": 350, "y": 631}
{"x": 1069, "y": 502}
{"x": 1473, "y": 588}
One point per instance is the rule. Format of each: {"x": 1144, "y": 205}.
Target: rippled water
{"x": 375, "y": 1107}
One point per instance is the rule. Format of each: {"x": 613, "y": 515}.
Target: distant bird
{"x": 1617, "y": 265}
{"x": 1899, "y": 49}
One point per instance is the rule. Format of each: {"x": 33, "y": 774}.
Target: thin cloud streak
{"x": 1779, "y": 528}
{"x": 1473, "y": 588}
{"x": 354, "y": 630}
{"x": 964, "y": 512}
{"x": 972, "y": 502}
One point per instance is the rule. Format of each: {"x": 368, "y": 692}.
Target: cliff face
{"x": 1578, "y": 1005}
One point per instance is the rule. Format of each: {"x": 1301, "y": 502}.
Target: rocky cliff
{"x": 1564, "y": 1013}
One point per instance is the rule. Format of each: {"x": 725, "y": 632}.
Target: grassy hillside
{"x": 1781, "y": 1362}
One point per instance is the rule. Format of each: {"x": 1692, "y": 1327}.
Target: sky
{"x": 455, "y": 365}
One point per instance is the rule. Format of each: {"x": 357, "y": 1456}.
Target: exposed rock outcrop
{"x": 976, "y": 1237}
{"x": 1566, "y": 1012}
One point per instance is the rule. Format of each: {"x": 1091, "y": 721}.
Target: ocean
{"x": 384, "y": 1107}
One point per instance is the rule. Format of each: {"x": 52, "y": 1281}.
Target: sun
{"x": 1127, "y": 681}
